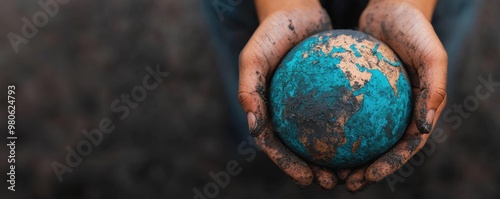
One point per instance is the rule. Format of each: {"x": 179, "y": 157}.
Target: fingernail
{"x": 430, "y": 120}
{"x": 299, "y": 184}
{"x": 252, "y": 122}
{"x": 424, "y": 124}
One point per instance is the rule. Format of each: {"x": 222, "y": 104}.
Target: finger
{"x": 287, "y": 161}
{"x": 356, "y": 181}
{"x": 412, "y": 142}
{"x": 413, "y": 38}
{"x": 262, "y": 54}
{"x": 342, "y": 174}
{"x": 324, "y": 177}
{"x": 254, "y": 102}
{"x": 432, "y": 74}
{"x": 398, "y": 155}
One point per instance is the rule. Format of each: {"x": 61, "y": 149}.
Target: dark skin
{"x": 402, "y": 24}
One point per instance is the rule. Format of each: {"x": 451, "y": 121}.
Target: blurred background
{"x": 91, "y": 52}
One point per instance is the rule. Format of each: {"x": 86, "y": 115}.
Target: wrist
{"x": 266, "y": 8}
{"x": 426, "y": 7}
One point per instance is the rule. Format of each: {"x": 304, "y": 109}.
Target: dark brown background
{"x": 93, "y": 51}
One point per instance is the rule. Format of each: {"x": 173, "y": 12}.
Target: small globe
{"x": 340, "y": 99}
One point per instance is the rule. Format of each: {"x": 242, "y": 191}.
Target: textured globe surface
{"x": 340, "y": 99}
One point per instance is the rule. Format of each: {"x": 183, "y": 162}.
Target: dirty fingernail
{"x": 251, "y": 122}
{"x": 299, "y": 184}
{"x": 430, "y": 120}
{"x": 424, "y": 124}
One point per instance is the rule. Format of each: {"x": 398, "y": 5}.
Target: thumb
{"x": 252, "y": 97}
{"x": 274, "y": 37}
{"x": 409, "y": 33}
{"x": 428, "y": 70}
{"x": 432, "y": 74}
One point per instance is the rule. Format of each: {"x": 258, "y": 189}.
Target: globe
{"x": 340, "y": 99}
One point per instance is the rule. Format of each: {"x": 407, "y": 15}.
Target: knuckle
{"x": 444, "y": 55}
{"x": 439, "y": 55}
{"x": 436, "y": 56}
{"x": 244, "y": 57}
{"x": 439, "y": 93}
{"x": 254, "y": 57}
{"x": 243, "y": 97}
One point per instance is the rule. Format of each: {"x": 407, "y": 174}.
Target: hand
{"x": 404, "y": 26}
{"x": 283, "y": 25}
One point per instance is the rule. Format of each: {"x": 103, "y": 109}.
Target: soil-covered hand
{"x": 283, "y": 24}
{"x": 404, "y": 26}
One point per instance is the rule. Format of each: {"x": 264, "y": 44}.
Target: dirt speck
{"x": 290, "y": 26}
{"x": 348, "y": 74}
{"x": 355, "y": 145}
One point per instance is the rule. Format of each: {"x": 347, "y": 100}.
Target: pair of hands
{"x": 402, "y": 24}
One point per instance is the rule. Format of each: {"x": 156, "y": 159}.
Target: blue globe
{"x": 340, "y": 99}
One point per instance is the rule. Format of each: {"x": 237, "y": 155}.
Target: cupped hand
{"x": 283, "y": 24}
{"x": 404, "y": 26}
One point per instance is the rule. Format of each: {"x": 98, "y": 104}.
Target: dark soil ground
{"x": 92, "y": 52}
